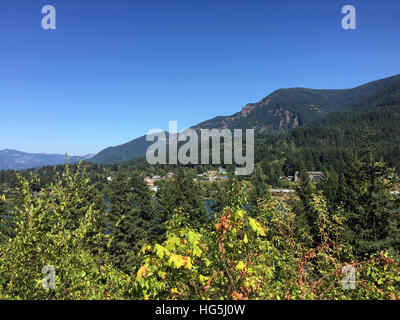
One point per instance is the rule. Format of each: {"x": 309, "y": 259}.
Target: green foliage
{"x": 4, "y": 220}
{"x": 259, "y": 189}
{"x": 364, "y": 192}
{"x": 182, "y": 192}
{"x": 126, "y": 222}
{"x": 246, "y": 258}
{"x": 233, "y": 255}
{"x": 52, "y": 226}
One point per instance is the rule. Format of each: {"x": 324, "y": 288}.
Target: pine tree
{"x": 182, "y": 192}
{"x": 379, "y": 222}
{"x": 329, "y": 185}
{"x": 305, "y": 215}
{"x": 259, "y": 189}
{"x": 143, "y": 202}
{"x": 4, "y": 224}
{"x": 372, "y": 222}
{"x": 304, "y": 187}
{"x": 127, "y": 230}
{"x": 142, "y": 198}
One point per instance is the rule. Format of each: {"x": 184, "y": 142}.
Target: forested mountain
{"x": 331, "y": 140}
{"x": 18, "y": 160}
{"x": 128, "y": 151}
{"x": 296, "y": 107}
{"x": 287, "y": 109}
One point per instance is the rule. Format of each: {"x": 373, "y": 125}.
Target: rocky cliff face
{"x": 268, "y": 115}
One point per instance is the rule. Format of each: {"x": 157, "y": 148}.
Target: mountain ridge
{"x": 282, "y": 110}
{"x": 11, "y": 159}
{"x": 295, "y": 107}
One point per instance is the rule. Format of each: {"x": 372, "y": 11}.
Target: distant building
{"x": 169, "y": 175}
{"x": 156, "y": 177}
{"x": 154, "y": 188}
{"x": 315, "y": 176}
{"x": 212, "y": 174}
{"x": 149, "y": 181}
{"x": 281, "y": 191}
{"x": 222, "y": 171}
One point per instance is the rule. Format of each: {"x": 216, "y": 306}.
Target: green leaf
{"x": 160, "y": 251}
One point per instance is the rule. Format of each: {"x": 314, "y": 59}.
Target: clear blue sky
{"x": 112, "y": 70}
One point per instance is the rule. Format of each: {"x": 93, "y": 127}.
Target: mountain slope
{"x": 330, "y": 141}
{"x": 131, "y": 150}
{"x": 18, "y": 160}
{"x": 291, "y": 108}
{"x": 282, "y": 110}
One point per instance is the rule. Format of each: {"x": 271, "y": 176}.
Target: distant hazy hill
{"x": 282, "y": 110}
{"x": 18, "y": 160}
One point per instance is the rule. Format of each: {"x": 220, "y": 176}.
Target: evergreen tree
{"x": 305, "y": 215}
{"x": 4, "y": 223}
{"x": 127, "y": 230}
{"x": 304, "y": 187}
{"x": 379, "y": 221}
{"x": 329, "y": 185}
{"x": 142, "y": 198}
{"x": 350, "y": 189}
{"x": 259, "y": 189}
{"x": 182, "y": 192}
{"x": 372, "y": 220}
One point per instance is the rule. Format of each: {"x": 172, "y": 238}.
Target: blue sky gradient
{"x": 112, "y": 70}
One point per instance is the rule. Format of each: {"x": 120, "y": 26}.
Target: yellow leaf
{"x": 142, "y": 272}
{"x": 256, "y": 227}
{"x": 176, "y": 260}
{"x": 262, "y": 231}
{"x": 240, "y": 213}
{"x": 188, "y": 262}
{"x": 240, "y": 266}
{"x": 175, "y": 290}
